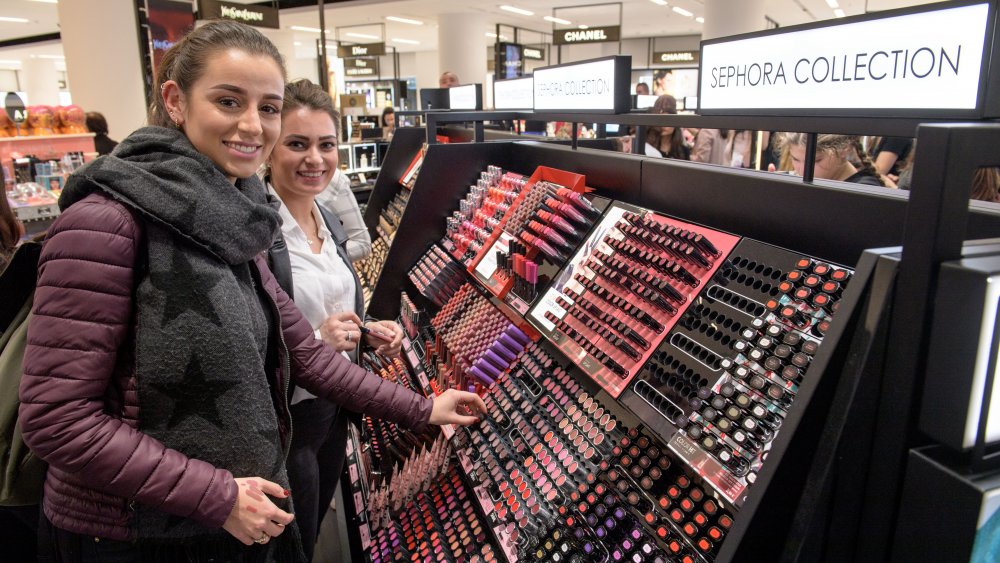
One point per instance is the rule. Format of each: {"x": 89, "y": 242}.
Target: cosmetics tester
{"x": 696, "y": 363}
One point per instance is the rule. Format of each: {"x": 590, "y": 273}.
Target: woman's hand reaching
{"x": 457, "y": 407}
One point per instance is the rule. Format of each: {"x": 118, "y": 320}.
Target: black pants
{"x": 315, "y": 462}
{"x": 18, "y": 532}
{"x": 56, "y": 545}
{"x": 59, "y": 546}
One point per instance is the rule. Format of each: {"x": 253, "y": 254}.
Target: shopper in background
{"x": 314, "y": 259}
{"x": 889, "y": 155}
{"x": 389, "y": 119}
{"x": 833, "y": 158}
{"x": 448, "y": 79}
{"x": 642, "y": 89}
{"x": 986, "y": 184}
{"x": 97, "y": 125}
{"x": 161, "y": 347}
{"x": 339, "y": 199}
{"x": 11, "y": 231}
{"x": 666, "y": 141}
{"x": 728, "y": 147}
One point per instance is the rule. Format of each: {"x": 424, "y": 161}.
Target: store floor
{"x": 329, "y": 547}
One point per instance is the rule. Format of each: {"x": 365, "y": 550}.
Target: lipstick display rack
{"x": 387, "y": 202}
{"x": 634, "y": 404}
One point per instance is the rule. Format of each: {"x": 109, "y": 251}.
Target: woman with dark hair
{"x": 389, "y": 118}
{"x": 161, "y": 350}
{"x": 313, "y": 257}
{"x": 97, "y": 125}
{"x": 666, "y": 141}
{"x": 11, "y": 231}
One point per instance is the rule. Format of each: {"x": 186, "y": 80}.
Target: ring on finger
{"x": 262, "y": 539}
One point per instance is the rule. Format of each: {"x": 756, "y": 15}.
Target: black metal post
{"x": 576, "y": 132}
{"x": 324, "y": 73}
{"x": 809, "y": 164}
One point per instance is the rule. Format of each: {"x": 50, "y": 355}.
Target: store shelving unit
{"x": 776, "y": 209}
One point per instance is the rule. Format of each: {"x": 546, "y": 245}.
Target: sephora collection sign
{"x": 516, "y": 93}
{"x": 919, "y": 59}
{"x": 597, "y": 85}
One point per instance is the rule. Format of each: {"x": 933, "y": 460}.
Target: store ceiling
{"x": 640, "y": 18}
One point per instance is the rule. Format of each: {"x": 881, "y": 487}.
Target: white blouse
{"x": 323, "y": 283}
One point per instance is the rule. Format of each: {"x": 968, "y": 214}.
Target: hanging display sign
{"x": 468, "y": 97}
{"x": 675, "y": 57}
{"x": 597, "y": 85}
{"x": 365, "y": 50}
{"x": 919, "y": 61}
{"x": 589, "y": 35}
{"x": 533, "y": 53}
{"x": 250, "y": 14}
{"x": 516, "y": 93}
{"x": 361, "y": 66}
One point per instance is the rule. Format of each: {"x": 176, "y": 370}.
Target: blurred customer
{"x": 666, "y": 141}
{"x": 389, "y": 119}
{"x": 728, "y": 147}
{"x": 642, "y": 89}
{"x": 339, "y": 199}
{"x": 448, "y": 79}
{"x": 889, "y": 155}
{"x": 833, "y": 158}
{"x": 99, "y": 127}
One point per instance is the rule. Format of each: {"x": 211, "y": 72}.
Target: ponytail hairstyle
{"x": 866, "y": 160}
{"x": 832, "y": 144}
{"x": 185, "y": 61}
{"x": 303, "y": 93}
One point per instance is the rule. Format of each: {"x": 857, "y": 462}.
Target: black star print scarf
{"x": 201, "y": 324}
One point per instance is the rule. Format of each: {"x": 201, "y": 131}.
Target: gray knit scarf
{"x": 202, "y": 327}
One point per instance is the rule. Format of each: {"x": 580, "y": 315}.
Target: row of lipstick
{"x": 475, "y": 338}
{"x": 440, "y": 524}
{"x": 437, "y": 276}
{"x": 480, "y": 212}
{"x": 401, "y": 483}
{"x": 389, "y": 443}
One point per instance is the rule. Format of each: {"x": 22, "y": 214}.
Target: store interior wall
{"x": 100, "y": 46}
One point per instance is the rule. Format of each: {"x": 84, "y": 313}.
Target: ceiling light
{"x": 659, "y": 2}
{"x": 556, "y": 20}
{"x": 398, "y": 19}
{"x": 56, "y": 57}
{"x": 582, "y": 26}
{"x": 839, "y": 13}
{"x": 699, "y": 19}
{"x": 406, "y": 41}
{"x": 494, "y": 36}
{"x": 362, "y": 35}
{"x": 10, "y": 62}
{"x": 517, "y": 10}
{"x": 833, "y": 4}
{"x": 309, "y": 29}
{"x": 13, "y": 20}
{"x": 47, "y": 1}
{"x": 298, "y": 43}
{"x": 682, "y": 11}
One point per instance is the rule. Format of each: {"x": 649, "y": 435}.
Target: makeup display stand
{"x": 773, "y": 209}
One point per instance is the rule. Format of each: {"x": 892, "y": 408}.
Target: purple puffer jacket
{"x": 79, "y": 406}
